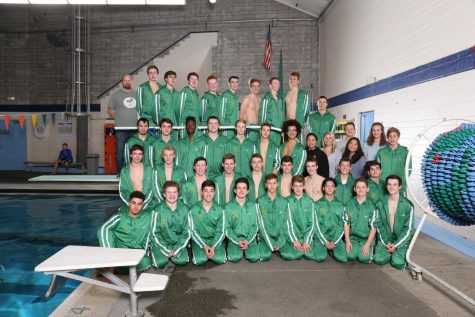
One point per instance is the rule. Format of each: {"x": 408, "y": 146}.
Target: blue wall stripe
{"x": 446, "y": 66}
{"x": 453, "y": 240}
{"x": 96, "y": 107}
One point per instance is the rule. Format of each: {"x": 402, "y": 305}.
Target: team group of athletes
{"x": 241, "y": 192}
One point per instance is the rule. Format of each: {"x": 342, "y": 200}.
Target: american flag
{"x": 268, "y": 52}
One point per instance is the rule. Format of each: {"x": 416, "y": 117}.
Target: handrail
{"x": 155, "y": 56}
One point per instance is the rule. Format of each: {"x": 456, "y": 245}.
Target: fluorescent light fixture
{"x": 14, "y": 1}
{"x": 126, "y": 2}
{"x": 166, "y": 2}
{"x": 85, "y": 2}
{"x": 48, "y": 1}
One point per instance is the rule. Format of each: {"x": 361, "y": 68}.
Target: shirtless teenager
{"x": 268, "y": 150}
{"x": 136, "y": 176}
{"x": 256, "y": 179}
{"x": 297, "y": 102}
{"x": 313, "y": 182}
{"x": 285, "y": 179}
{"x": 250, "y": 108}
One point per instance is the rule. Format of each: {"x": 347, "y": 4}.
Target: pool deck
{"x": 299, "y": 288}
{"x": 33, "y": 182}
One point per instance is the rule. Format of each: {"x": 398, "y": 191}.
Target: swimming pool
{"x": 34, "y": 227}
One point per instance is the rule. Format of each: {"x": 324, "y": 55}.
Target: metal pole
{"x": 133, "y": 295}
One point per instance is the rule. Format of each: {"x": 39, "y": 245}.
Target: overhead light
{"x": 212, "y": 1}
{"x": 14, "y": 1}
{"x": 85, "y": 2}
{"x": 166, "y": 2}
{"x": 48, "y": 1}
{"x": 126, "y": 2}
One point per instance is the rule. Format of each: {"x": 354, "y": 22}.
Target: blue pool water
{"x": 33, "y": 228}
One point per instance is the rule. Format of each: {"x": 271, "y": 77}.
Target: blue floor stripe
{"x": 451, "y": 239}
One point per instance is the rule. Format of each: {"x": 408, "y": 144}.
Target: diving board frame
{"x": 416, "y": 269}
{"x": 74, "y": 258}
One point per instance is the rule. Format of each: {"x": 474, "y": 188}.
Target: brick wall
{"x": 34, "y": 59}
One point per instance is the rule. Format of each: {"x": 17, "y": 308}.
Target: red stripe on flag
{"x": 268, "y": 52}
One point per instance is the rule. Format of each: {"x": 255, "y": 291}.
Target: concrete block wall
{"x": 124, "y": 37}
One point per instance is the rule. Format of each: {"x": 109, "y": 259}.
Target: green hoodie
{"x": 360, "y": 217}
{"x": 242, "y": 152}
{"x": 126, "y": 187}
{"x": 209, "y": 106}
{"x": 321, "y": 124}
{"x": 330, "y": 219}
{"x": 403, "y": 222}
{"x": 170, "y": 228}
{"x": 272, "y": 220}
{"x": 207, "y": 228}
{"x": 300, "y": 220}
{"x": 188, "y": 106}
{"x": 147, "y": 103}
{"x": 146, "y": 144}
{"x": 241, "y": 222}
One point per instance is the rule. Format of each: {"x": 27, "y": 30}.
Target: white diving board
{"x": 76, "y": 178}
{"x": 74, "y": 258}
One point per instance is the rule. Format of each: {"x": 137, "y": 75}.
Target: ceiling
{"x": 312, "y": 7}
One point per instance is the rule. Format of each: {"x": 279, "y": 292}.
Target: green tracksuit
{"x": 272, "y": 221}
{"x": 344, "y": 192}
{"x": 299, "y": 157}
{"x": 393, "y": 162}
{"x": 300, "y": 226}
{"x": 214, "y": 152}
{"x": 207, "y": 229}
{"x": 170, "y": 232}
{"x": 241, "y": 224}
{"x": 400, "y": 236}
{"x": 272, "y": 112}
{"x": 360, "y": 218}
{"x": 220, "y": 192}
{"x": 190, "y": 193}
{"x": 134, "y": 139}
{"x": 228, "y": 111}
{"x": 261, "y": 187}
{"x": 188, "y": 106}
{"x": 187, "y": 151}
{"x": 167, "y": 103}
{"x": 303, "y": 109}
{"x": 124, "y": 231}
{"x": 155, "y": 151}
{"x": 147, "y": 103}
{"x": 178, "y": 175}
{"x": 242, "y": 152}
{"x": 126, "y": 187}
{"x": 320, "y": 125}
{"x": 329, "y": 219}
{"x": 272, "y": 159}
{"x": 209, "y": 106}
{"x": 376, "y": 191}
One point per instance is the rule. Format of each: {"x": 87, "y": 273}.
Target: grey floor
{"x": 300, "y": 288}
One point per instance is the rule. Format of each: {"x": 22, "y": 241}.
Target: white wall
{"x": 363, "y": 41}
